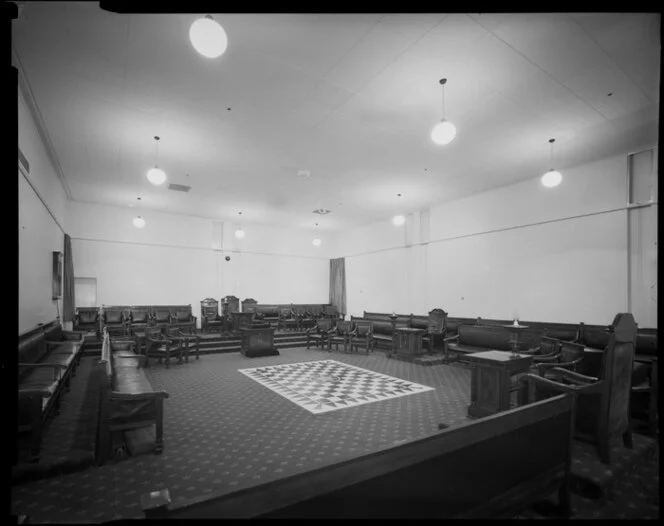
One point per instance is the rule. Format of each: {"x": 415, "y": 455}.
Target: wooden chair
{"x": 115, "y": 321}
{"x": 603, "y": 403}
{"x": 341, "y": 333}
{"x": 160, "y": 347}
{"x": 287, "y": 319}
{"x": 139, "y": 319}
{"x": 230, "y": 304}
{"x": 569, "y": 357}
{"x": 362, "y": 336}
{"x": 435, "y": 330}
{"x": 210, "y": 319}
{"x": 305, "y": 319}
{"x": 87, "y": 319}
{"x": 319, "y": 332}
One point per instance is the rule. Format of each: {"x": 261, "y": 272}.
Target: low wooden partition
{"x": 490, "y": 468}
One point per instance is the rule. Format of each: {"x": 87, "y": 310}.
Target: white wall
{"x": 546, "y": 254}
{"x": 178, "y": 259}
{"x": 39, "y": 233}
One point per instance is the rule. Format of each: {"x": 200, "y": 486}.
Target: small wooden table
{"x": 490, "y": 380}
{"x": 258, "y": 341}
{"x": 184, "y": 341}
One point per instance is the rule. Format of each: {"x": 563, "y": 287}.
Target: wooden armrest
{"x": 56, "y": 365}
{"x": 114, "y": 395}
{"x": 534, "y": 350}
{"x": 546, "y": 357}
{"x": 451, "y": 338}
{"x": 547, "y": 384}
{"x": 643, "y": 388}
{"x": 575, "y": 377}
{"x": 541, "y": 367}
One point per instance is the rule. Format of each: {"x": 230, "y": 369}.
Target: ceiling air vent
{"x": 321, "y": 211}
{"x": 23, "y": 161}
{"x": 179, "y": 187}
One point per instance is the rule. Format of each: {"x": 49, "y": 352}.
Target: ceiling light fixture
{"x": 443, "y": 132}
{"x": 156, "y": 175}
{"x": 239, "y": 233}
{"x": 316, "y": 241}
{"x": 208, "y": 37}
{"x": 398, "y": 220}
{"x": 138, "y": 221}
{"x": 552, "y": 177}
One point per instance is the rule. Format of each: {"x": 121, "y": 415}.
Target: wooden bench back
{"x": 491, "y": 467}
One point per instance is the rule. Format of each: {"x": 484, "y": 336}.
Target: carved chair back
{"x": 138, "y": 315}
{"x": 437, "y": 319}
{"x": 230, "y": 304}
{"x": 210, "y": 309}
{"x": 249, "y": 305}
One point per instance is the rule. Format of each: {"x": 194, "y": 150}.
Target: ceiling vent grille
{"x": 23, "y": 161}
{"x": 179, "y": 187}
{"x": 321, "y": 211}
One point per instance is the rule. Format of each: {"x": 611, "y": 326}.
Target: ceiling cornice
{"x": 29, "y": 98}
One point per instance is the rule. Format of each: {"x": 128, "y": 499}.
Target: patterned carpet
{"x": 224, "y": 431}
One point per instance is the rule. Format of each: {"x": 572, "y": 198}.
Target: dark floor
{"x": 223, "y": 431}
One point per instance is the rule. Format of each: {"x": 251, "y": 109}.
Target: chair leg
{"x": 627, "y": 439}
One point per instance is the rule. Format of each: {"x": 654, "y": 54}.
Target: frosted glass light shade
{"x": 239, "y": 233}
{"x": 139, "y": 222}
{"x": 398, "y": 220}
{"x": 316, "y": 241}
{"x": 208, "y": 37}
{"x": 156, "y": 176}
{"x": 443, "y": 132}
{"x": 551, "y": 178}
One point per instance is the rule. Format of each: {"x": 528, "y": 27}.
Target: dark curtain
{"x": 68, "y": 303}
{"x": 338, "y": 284}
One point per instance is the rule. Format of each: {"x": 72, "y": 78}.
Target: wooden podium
{"x": 258, "y": 341}
{"x": 490, "y": 381}
{"x": 408, "y": 342}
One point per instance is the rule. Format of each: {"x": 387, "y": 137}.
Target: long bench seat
{"x": 47, "y": 359}
{"x": 127, "y": 402}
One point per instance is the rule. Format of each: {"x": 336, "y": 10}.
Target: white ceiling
{"x": 349, "y": 97}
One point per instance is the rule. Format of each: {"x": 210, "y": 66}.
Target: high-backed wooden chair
{"x": 603, "y": 402}
{"x": 362, "y": 336}
{"x": 341, "y": 333}
{"x": 210, "y": 319}
{"x": 319, "y": 333}
{"x": 435, "y": 330}
{"x": 229, "y": 304}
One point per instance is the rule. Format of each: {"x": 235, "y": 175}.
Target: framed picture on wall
{"x": 57, "y": 275}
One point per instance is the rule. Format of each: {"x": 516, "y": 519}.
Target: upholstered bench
{"x": 46, "y": 361}
{"x": 128, "y": 402}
